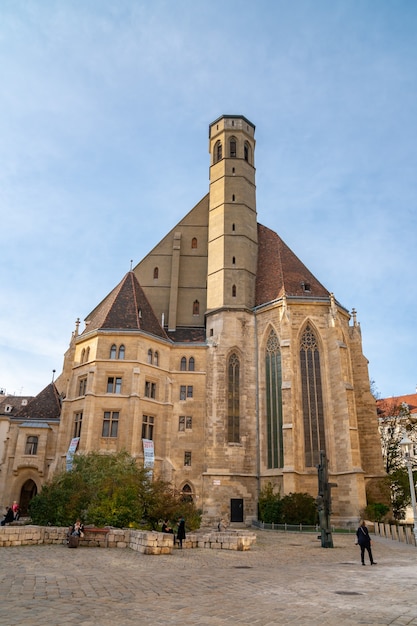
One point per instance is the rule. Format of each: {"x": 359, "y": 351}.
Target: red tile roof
{"x": 385, "y": 405}
{"x": 126, "y": 307}
{"x": 281, "y": 272}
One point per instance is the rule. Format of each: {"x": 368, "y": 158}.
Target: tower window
{"x": 233, "y": 227}
{"x": 233, "y": 198}
{"x": 194, "y": 243}
{"x": 150, "y": 356}
{"x": 156, "y": 272}
{"x": 233, "y": 260}
{"x": 232, "y": 147}
{"x": 183, "y": 364}
{"x": 246, "y": 152}
{"x": 191, "y": 364}
{"x": 122, "y": 352}
{"x": 218, "y": 152}
{"x": 113, "y": 351}
{"x": 234, "y": 291}
{"x": 196, "y": 307}
{"x": 156, "y": 358}
{"x": 187, "y": 458}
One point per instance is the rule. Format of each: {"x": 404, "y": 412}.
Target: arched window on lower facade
{"x": 233, "y": 400}
{"x": 31, "y": 445}
{"x": 312, "y": 398}
{"x": 273, "y": 384}
{"x": 186, "y": 493}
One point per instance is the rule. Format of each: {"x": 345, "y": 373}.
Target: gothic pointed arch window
{"x": 232, "y": 147}
{"x": 312, "y": 397}
{"x": 113, "y": 351}
{"x": 233, "y": 400}
{"x": 218, "y": 152}
{"x": 150, "y": 356}
{"x": 83, "y": 355}
{"x": 121, "y": 352}
{"x": 87, "y": 354}
{"x": 156, "y": 272}
{"x": 247, "y": 152}
{"x": 191, "y": 364}
{"x": 186, "y": 493}
{"x": 156, "y": 358}
{"x": 273, "y": 374}
{"x": 183, "y": 366}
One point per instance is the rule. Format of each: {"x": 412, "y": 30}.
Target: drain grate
{"x": 242, "y": 567}
{"x": 349, "y": 593}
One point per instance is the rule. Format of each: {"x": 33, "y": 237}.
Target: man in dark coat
{"x": 181, "y": 531}
{"x": 364, "y": 541}
{"x": 9, "y": 517}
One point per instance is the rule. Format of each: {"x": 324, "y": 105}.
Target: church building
{"x": 220, "y": 361}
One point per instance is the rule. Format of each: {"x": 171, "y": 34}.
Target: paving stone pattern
{"x": 284, "y": 579}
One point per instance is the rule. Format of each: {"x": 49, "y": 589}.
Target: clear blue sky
{"x": 104, "y": 114}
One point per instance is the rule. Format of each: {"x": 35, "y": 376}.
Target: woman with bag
{"x": 364, "y": 541}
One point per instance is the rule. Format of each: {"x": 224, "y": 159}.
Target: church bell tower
{"x": 232, "y": 231}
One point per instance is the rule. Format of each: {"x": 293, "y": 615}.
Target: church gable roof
{"x": 45, "y": 406}
{"x": 280, "y": 272}
{"x": 125, "y": 308}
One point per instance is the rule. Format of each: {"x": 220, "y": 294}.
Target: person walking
{"x": 181, "y": 531}
{"x": 364, "y": 541}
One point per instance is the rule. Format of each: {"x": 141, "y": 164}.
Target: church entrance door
{"x": 236, "y": 510}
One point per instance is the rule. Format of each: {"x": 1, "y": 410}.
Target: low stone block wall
{"x": 227, "y": 540}
{"x": 145, "y": 542}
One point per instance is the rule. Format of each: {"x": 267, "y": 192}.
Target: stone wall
{"x": 146, "y": 542}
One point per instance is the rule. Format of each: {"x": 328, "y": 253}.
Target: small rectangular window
{"x": 183, "y": 392}
{"x": 31, "y": 445}
{"x": 114, "y": 385}
{"x": 150, "y": 389}
{"x": 181, "y": 423}
{"x": 82, "y": 386}
{"x": 78, "y": 418}
{"x": 187, "y": 459}
{"x": 110, "y": 424}
{"x": 189, "y": 391}
{"x": 147, "y": 426}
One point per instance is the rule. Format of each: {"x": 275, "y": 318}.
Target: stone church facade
{"x": 225, "y": 352}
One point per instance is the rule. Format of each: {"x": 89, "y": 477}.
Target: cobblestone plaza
{"x": 285, "y": 578}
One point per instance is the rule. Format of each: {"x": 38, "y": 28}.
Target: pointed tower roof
{"x": 125, "y": 308}
{"x": 45, "y": 406}
{"x": 280, "y": 272}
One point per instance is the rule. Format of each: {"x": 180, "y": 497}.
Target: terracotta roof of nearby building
{"x": 45, "y": 406}
{"x": 280, "y": 272}
{"x": 385, "y": 405}
{"x": 125, "y": 308}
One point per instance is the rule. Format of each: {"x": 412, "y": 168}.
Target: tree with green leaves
{"x": 395, "y": 421}
{"x": 109, "y": 490}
